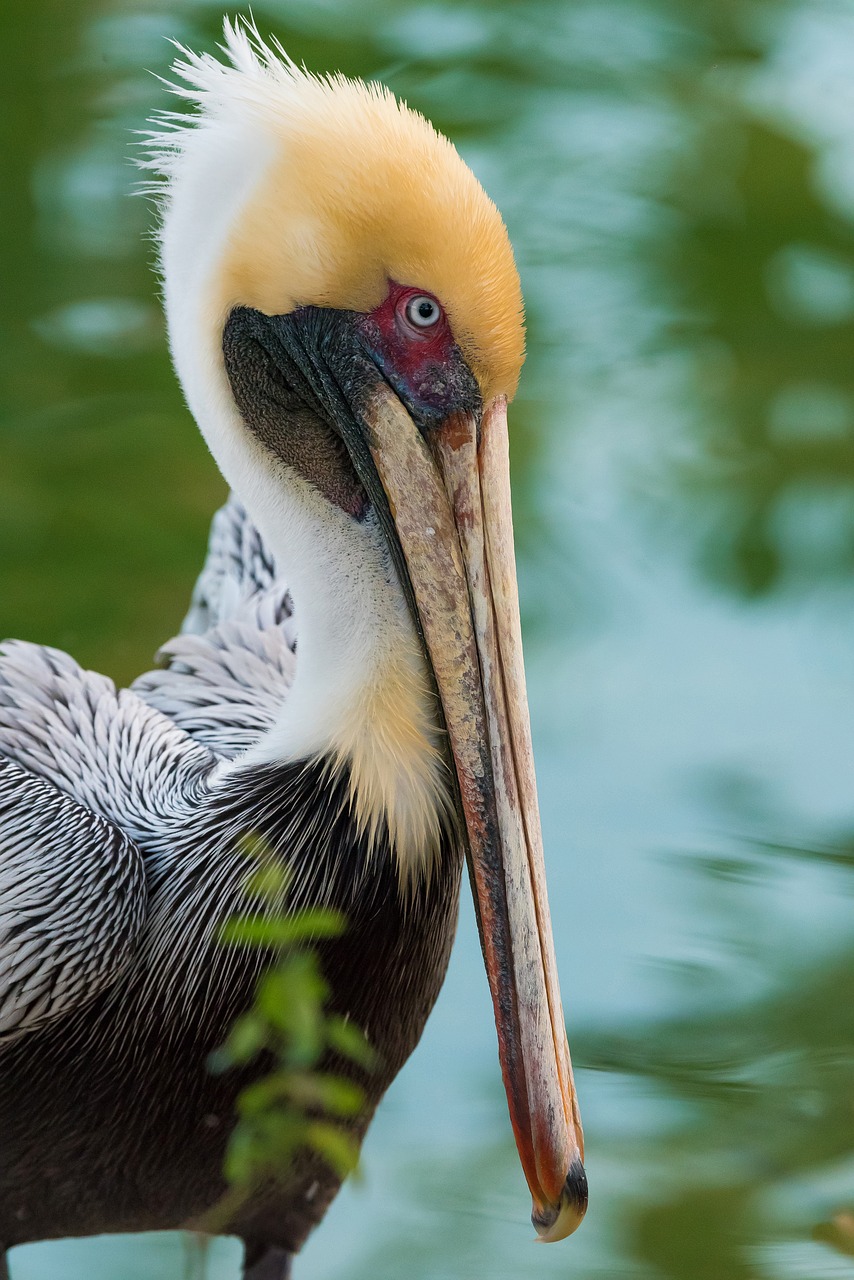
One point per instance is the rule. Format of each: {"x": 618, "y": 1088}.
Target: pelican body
{"x": 345, "y": 319}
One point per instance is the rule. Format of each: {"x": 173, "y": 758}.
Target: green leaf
{"x": 282, "y": 931}
{"x": 338, "y": 1096}
{"x": 278, "y": 1134}
{"x": 339, "y": 1148}
{"x": 294, "y": 1106}
{"x": 302, "y": 1091}
{"x": 333, "y": 1094}
{"x": 246, "y": 1039}
{"x": 291, "y": 999}
{"x": 240, "y": 1158}
{"x": 269, "y": 881}
{"x": 349, "y": 1040}
{"x": 253, "y": 845}
{"x": 294, "y": 981}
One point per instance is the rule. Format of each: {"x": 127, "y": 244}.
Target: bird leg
{"x": 261, "y": 1263}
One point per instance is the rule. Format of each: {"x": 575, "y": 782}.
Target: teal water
{"x": 678, "y": 179}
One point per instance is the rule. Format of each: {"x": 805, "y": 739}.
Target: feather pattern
{"x": 105, "y": 748}
{"x": 225, "y": 676}
{"x": 238, "y": 568}
{"x": 123, "y": 815}
{"x": 85, "y": 768}
{"x": 72, "y": 902}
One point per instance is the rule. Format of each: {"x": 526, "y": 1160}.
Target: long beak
{"x": 451, "y": 509}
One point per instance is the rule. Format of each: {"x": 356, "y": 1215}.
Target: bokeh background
{"x": 678, "y": 179}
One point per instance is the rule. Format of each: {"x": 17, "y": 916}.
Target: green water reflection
{"x": 678, "y": 178}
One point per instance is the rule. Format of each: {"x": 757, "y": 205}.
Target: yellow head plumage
{"x": 357, "y": 190}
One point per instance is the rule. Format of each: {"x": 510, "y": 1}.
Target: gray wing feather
{"x": 224, "y": 688}
{"x": 238, "y": 566}
{"x": 88, "y": 776}
{"x": 228, "y": 672}
{"x": 105, "y": 748}
{"x": 85, "y": 769}
{"x": 72, "y": 902}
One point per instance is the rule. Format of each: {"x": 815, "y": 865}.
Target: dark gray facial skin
{"x": 296, "y": 394}
{"x": 300, "y": 381}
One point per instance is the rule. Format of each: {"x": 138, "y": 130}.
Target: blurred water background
{"x": 678, "y": 179}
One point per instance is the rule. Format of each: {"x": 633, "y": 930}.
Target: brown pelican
{"x": 346, "y": 322}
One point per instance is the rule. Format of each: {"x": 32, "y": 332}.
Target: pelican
{"x": 345, "y": 319}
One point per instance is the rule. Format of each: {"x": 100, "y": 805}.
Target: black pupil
{"x": 425, "y": 309}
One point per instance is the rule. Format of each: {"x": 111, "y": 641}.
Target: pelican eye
{"x": 423, "y": 311}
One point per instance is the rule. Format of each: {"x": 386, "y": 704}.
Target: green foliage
{"x": 297, "y": 1104}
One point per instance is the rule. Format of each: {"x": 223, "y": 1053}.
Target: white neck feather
{"x": 361, "y": 694}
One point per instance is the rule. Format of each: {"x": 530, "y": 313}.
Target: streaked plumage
{"x": 101, "y": 775}
{"x": 222, "y": 679}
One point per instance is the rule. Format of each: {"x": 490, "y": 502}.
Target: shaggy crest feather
{"x": 360, "y": 189}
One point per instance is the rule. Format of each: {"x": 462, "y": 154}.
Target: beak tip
{"x": 556, "y": 1223}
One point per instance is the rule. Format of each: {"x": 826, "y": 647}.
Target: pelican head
{"x": 345, "y": 318}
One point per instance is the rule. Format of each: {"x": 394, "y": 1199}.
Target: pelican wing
{"x": 225, "y": 676}
{"x": 237, "y": 568}
{"x": 88, "y": 775}
{"x": 224, "y": 687}
{"x": 72, "y": 902}
{"x": 104, "y": 747}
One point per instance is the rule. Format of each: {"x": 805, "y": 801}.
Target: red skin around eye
{"x": 413, "y": 353}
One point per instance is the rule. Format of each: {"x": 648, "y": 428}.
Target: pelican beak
{"x": 449, "y": 498}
